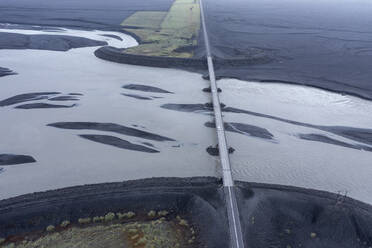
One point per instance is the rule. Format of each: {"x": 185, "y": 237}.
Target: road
{"x": 236, "y": 236}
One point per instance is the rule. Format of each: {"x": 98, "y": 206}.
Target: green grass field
{"x": 171, "y": 34}
{"x": 144, "y": 23}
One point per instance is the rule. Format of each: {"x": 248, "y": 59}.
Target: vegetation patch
{"x": 112, "y": 231}
{"x": 144, "y": 23}
{"x": 170, "y": 34}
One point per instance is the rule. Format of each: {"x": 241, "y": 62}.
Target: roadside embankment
{"x": 270, "y": 214}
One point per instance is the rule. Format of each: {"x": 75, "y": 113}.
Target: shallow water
{"x": 289, "y": 160}
{"x": 63, "y": 158}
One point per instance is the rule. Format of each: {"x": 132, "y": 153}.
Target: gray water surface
{"x": 106, "y": 135}
{"x": 299, "y": 136}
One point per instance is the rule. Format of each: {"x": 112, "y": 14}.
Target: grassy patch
{"x": 144, "y": 23}
{"x": 112, "y": 232}
{"x": 183, "y": 19}
{"x": 145, "y": 19}
{"x": 172, "y": 34}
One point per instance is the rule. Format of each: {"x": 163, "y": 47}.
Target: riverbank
{"x": 301, "y": 216}
{"x": 305, "y": 44}
{"x": 197, "y": 64}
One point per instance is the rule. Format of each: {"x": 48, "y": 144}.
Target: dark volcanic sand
{"x": 12, "y": 159}
{"x": 363, "y": 135}
{"x": 117, "y": 142}
{"x": 145, "y": 88}
{"x": 28, "y": 27}
{"x": 200, "y": 196}
{"x": 271, "y": 215}
{"x": 309, "y": 43}
{"x": 137, "y": 96}
{"x": 110, "y": 127}
{"x": 43, "y": 106}
{"x": 148, "y": 144}
{"x": 244, "y": 129}
{"x": 6, "y": 72}
{"x": 214, "y": 151}
{"x": 86, "y": 14}
{"x": 358, "y": 134}
{"x": 64, "y": 98}
{"x": 113, "y": 36}
{"x": 209, "y": 90}
{"x": 279, "y": 216}
{"x": 197, "y": 108}
{"x": 328, "y": 140}
{"x": 26, "y": 97}
{"x": 45, "y": 42}
{"x": 326, "y": 44}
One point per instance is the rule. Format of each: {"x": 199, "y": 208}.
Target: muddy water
{"x": 318, "y": 139}
{"x": 104, "y": 134}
